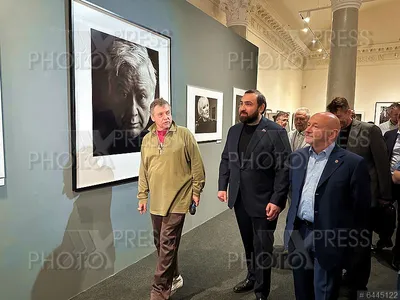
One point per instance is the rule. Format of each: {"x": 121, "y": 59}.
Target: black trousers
{"x": 258, "y": 240}
{"x": 396, "y": 248}
{"x": 396, "y": 197}
{"x": 359, "y": 265}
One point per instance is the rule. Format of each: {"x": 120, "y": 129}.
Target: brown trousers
{"x": 167, "y": 233}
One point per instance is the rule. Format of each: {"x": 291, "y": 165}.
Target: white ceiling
{"x": 378, "y": 20}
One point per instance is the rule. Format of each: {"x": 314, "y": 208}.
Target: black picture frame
{"x": 93, "y": 168}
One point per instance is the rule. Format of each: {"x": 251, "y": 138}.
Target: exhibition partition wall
{"x": 2, "y": 168}
{"x": 58, "y": 239}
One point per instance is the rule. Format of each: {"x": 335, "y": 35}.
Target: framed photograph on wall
{"x": 117, "y": 69}
{"x": 381, "y": 112}
{"x": 359, "y": 115}
{"x": 2, "y": 159}
{"x": 204, "y": 113}
{"x": 270, "y": 115}
{"x": 237, "y": 96}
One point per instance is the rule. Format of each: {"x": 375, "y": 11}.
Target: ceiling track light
{"x": 307, "y": 18}
{"x": 315, "y": 40}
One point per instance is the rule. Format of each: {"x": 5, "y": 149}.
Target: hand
{"x": 196, "y": 199}
{"x": 272, "y": 211}
{"x": 142, "y": 208}
{"x": 222, "y": 196}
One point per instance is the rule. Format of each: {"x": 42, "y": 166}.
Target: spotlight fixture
{"x": 307, "y": 18}
{"x": 315, "y": 40}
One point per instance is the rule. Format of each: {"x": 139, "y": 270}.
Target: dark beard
{"x": 246, "y": 119}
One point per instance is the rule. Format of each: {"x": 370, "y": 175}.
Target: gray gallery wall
{"x": 41, "y": 219}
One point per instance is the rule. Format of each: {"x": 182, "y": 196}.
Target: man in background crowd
{"x": 392, "y": 138}
{"x": 393, "y": 112}
{"x": 296, "y": 137}
{"x": 367, "y": 141}
{"x": 282, "y": 118}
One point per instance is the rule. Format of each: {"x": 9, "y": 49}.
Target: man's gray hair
{"x": 303, "y": 109}
{"x": 124, "y": 58}
{"x": 158, "y": 102}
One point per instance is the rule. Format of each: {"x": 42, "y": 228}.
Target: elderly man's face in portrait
{"x": 204, "y": 108}
{"x": 131, "y": 86}
{"x": 132, "y": 98}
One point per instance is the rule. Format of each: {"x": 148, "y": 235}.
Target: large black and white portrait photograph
{"x": 124, "y": 83}
{"x": 381, "y": 112}
{"x": 237, "y": 97}
{"x": 119, "y": 69}
{"x": 204, "y": 113}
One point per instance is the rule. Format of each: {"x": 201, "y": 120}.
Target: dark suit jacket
{"x": 367, "y": 141}
{"x": 342, "y": 202}
{"x": 390, "y": 138}
{"x": 263, "y": 174}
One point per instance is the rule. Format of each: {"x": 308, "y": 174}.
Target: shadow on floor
{"x": 211, "y": 262}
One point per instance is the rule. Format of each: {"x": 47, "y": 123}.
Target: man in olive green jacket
{"x": 172, "y": 171}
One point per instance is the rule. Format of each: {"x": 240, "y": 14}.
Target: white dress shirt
{"x": 387, "y": 126}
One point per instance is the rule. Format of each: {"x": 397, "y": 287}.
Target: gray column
{"x": 343, "y": 54}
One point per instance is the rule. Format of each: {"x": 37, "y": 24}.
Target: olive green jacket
{"x": 171, "y": 172}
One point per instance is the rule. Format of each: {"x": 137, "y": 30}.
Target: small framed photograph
{"x": 359, "y": 115}
{"x": 270, "y": 115}
{"x": 381, "y": 112}
{"x": 204, "y": 113}
{"x": 237, "y": 96}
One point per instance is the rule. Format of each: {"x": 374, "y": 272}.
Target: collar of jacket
{"x": 355, "y": 123}
{"x": 153, "y": 127}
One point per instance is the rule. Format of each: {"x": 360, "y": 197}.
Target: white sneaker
{"x": 177, "y": 283}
